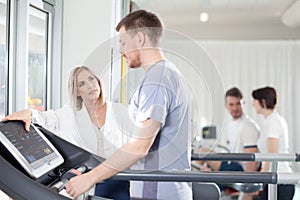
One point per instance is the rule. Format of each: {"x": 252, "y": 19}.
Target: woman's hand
{"x": 23, "y": 115}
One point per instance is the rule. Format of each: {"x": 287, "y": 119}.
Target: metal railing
{"x": 285, "y": 178}
{"x": 257, "y": 157}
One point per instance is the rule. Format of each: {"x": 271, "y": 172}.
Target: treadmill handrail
{"x": 211, "y": 177}
{"x": 199, "y": 176}
{"x": 258, "y": 157}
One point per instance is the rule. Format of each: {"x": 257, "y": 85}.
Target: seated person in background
{"x": 90, "y": 122}
{"x": 242, "y": 137}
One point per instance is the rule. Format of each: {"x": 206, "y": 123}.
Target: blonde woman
{"x": 89, "y": 121}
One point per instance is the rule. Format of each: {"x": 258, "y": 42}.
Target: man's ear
{"x": 141, "y": 38}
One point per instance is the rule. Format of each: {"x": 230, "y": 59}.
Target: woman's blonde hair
{"x": 76, "y": 101}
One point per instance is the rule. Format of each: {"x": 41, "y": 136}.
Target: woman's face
{"x": 257, "y": 106}
{"x": 87, "y": 86}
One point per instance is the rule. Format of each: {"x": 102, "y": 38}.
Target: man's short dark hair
{"x": 145, "y": 21}
{"x": 234, "y": 92}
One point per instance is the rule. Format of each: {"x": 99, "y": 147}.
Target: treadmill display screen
{"x": 31, "y": 149}
{"x": 30, "y": 144}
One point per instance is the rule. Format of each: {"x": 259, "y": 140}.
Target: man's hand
{"x": 23, "y": 115}
{"x": 78, "y": 185}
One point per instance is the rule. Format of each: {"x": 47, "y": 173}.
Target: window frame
{"x": 17, "y": 37}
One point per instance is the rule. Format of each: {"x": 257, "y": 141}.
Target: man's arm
{"x": 249, "y": 139}
{"x": 135, "y": 149}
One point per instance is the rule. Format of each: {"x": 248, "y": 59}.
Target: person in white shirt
{"x": 89, "y": 121}
{"x": 274, "y": 136}
{"x": 242, "y": 136}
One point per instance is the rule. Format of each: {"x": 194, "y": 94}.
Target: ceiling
{"x": 229, "y": 19}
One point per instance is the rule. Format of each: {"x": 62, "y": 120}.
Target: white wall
{"x": 86, "y": 26}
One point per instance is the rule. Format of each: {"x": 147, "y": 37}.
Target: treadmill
{"x": 19, "y": 184}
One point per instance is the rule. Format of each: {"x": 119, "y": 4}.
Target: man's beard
{"x": 136, "y": 63}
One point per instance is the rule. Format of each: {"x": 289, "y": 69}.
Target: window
{"x": 37, "y": 58}
{"x": 36, "y": 55}
{"x": 30, "y": 53}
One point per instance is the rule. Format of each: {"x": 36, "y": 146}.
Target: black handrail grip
{"x": 224, "y": 156}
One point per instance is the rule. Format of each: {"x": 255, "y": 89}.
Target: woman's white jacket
{"x": 77, "y": 127}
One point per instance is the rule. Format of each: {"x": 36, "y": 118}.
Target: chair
{"x": 204, "y": 191}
